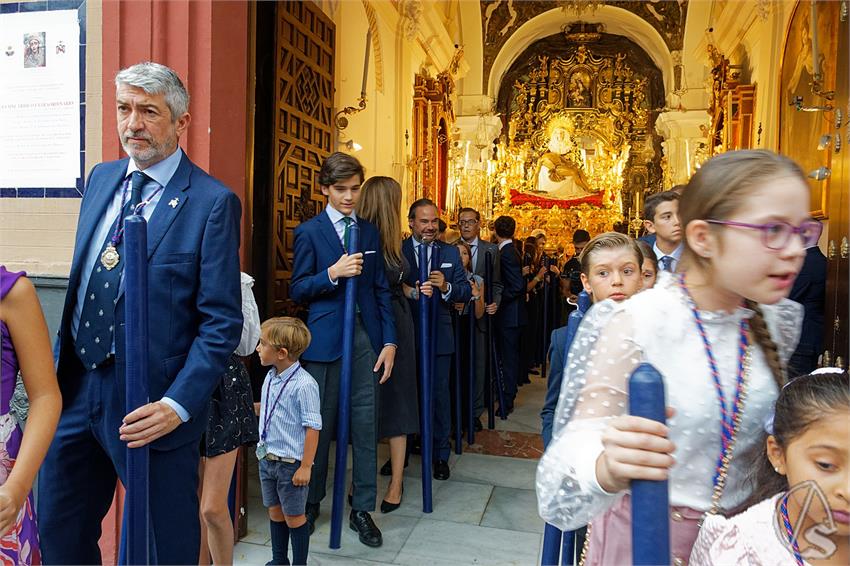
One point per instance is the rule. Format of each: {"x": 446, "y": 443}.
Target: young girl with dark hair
{"x": 800, "y": 507}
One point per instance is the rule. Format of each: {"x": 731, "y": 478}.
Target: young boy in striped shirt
{"x": 290, "y": 420}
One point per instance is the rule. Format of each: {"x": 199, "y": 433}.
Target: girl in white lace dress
{"x": 806, "y": 447}
{"x": 721, "y": 329}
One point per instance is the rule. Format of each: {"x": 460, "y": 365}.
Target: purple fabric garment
{"x": 20, "y": 545}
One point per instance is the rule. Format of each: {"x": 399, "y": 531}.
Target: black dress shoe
{"x": 311, "y": 511}
{"x": 367, "y": 531}
{"x": 387, "y": 507}
{"x": 441, "y": 470}
{"x": 476, "y": 424}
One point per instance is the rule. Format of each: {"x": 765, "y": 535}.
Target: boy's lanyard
{"x": 267, "y": 411}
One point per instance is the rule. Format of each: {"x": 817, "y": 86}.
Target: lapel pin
{"x": 173, "y": 203}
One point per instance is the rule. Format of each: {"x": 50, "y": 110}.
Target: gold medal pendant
{"x": 109, "y": 258}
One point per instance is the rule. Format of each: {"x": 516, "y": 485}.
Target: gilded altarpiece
{"x": 580, "y": 149}
{"x": 433, "y": 120}
{"x": 303, "y": 135}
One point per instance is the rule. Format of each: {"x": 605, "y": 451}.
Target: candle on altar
{"x": 366, "y": 63}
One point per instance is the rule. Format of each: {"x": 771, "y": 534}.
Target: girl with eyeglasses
{"x": 720, "y": 332}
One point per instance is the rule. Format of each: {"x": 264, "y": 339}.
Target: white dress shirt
{"x": 675, "y": 254}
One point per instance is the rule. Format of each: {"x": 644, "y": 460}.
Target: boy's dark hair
{"x": 411, "y": 214}
{"x": 467, "y": 209}
{"x": 580, "y": 236}
{"x": 441, "y": 225}
{"x": 505, "y": 226}
{"x": 338, "y": 167}
{"x": 802, "y": 402}
{"x": 651, "y": 204}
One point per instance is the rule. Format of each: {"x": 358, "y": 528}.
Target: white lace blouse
{"x": 657, "y": 327}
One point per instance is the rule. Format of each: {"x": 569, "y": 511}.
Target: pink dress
{"x": 751, "y": 537}
{"x": 20, "y": 545}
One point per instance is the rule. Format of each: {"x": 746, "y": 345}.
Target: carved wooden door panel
{"x": 303, "y": 134}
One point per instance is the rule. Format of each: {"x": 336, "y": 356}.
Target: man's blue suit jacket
{"x": 461, "y": 292}
{"x": 317, "y": 247}
{"x": 194, "y": 297}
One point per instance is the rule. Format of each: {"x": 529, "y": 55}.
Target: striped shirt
{"x": 297, "y": 408}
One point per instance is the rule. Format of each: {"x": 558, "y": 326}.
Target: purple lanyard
{"x": 266, "y": 411}
{"x": 119, "y": 228}
{"x": 729, "y": 419}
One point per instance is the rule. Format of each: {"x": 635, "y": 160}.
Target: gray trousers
{"x": 364, "y": 421}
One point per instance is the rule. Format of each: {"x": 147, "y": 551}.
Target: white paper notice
{"x": 39, "y": 99}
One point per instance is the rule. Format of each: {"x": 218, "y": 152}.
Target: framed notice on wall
{"x": 41, "y": 102}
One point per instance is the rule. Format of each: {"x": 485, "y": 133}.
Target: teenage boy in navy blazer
{"x": 448, "y": 283}
{"x": 322, "y": 267}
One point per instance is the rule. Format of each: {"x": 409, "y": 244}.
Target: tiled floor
{"x": 486, "y": 513}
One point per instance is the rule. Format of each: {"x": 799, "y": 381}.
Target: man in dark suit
{"x": 448, "y": 284}
{"x": 810, "y": 291}
{"x": 322, "y": 269}
{"x": 469, "y": 222}
{"x": 195, "y": 320}
{"x": 512, "y": 313}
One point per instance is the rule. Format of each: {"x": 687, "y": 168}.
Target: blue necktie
{"x": 97, "y": 319}
{"x": 667, "y": 263}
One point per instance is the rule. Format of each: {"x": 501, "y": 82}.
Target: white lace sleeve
{"x": 603, "y": 356}
{"x": 785, "y": 322}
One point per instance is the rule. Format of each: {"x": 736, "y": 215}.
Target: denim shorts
{"x": 278, "y": 489}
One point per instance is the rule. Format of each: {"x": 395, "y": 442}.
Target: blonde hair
{"x": 287, "y": 332}
{"x": 715, "y": 192}
{"x": 380, "y": 204}
{"x": 608, "y": 241}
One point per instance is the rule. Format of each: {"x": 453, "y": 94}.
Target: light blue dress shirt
{"x": 297, "y": 408}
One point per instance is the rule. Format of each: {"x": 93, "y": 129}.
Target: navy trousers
{"x": 78, "y": 478}
{"x": 442, "y": 416}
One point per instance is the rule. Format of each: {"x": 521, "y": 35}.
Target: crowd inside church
{"x": 713, "y": 295}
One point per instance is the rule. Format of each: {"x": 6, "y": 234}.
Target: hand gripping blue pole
{"x": 650, "y": 499}
{"x": 458, "y": 376}
{"x": 137, "y": 513}
{"x": 343, "y": 421}
{"x": 425, "y": 359}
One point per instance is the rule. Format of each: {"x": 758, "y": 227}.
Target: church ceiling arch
{"x": 509, "y": 26}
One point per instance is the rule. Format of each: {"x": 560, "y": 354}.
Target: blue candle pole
{"x": 650, "y": 499}
{"x": 489, "y": 366}
{"x": 137, "y": 513}
{"x": 458, "y": 376}
{"x": 343, "y": 421}
{"x": 473, "y": 335}
{"x": 425, "y": 360}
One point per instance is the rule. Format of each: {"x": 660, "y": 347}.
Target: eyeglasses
{"x": 467, "y": 222}
{"x": 776, "y": 235}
